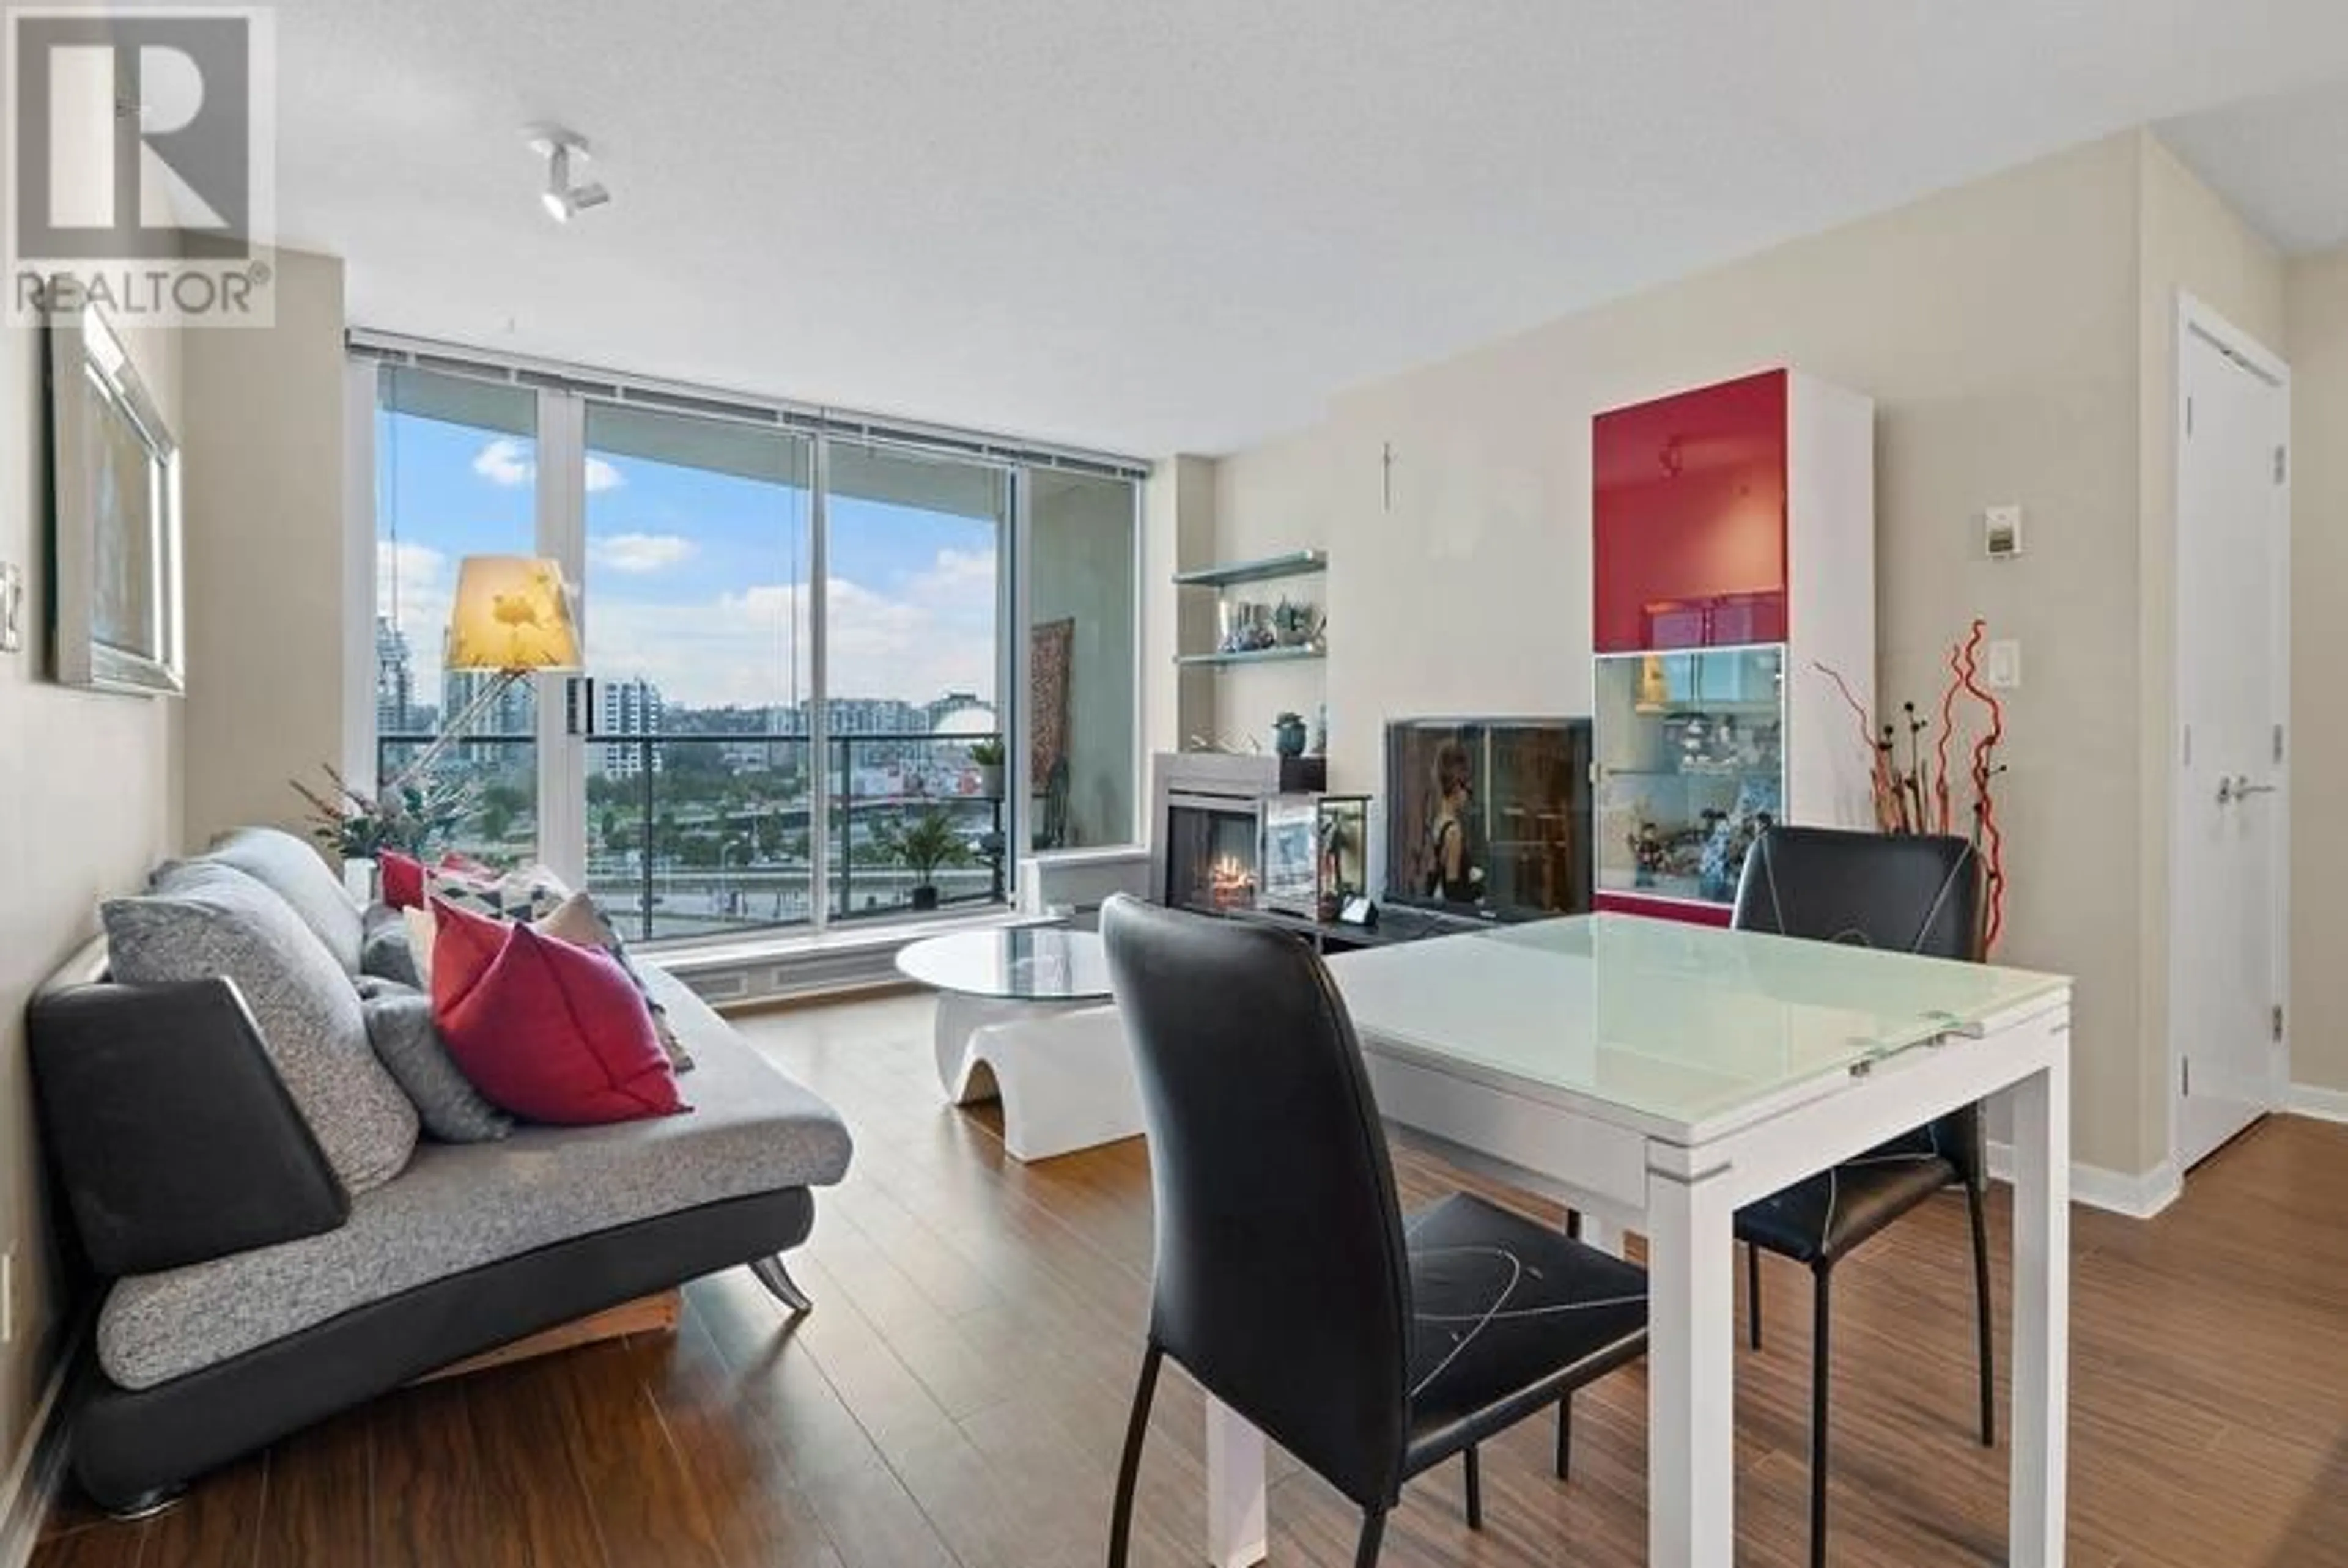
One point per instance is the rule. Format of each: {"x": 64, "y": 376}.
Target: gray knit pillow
{"x": 293, "y": 870}
{"x": 204, "y": 919}
{"x": 399, "y": 1027}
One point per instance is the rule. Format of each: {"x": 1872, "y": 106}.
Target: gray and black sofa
{"x": 271, "y": 1244}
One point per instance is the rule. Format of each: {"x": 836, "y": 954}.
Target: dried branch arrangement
{"x": 1922, "y": 796}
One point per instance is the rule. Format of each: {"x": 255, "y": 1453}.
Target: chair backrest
{"x": 1902, "y": 893}
{"x": 1281, "y": 1280}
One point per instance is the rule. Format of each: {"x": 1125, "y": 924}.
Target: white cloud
{"x": 503, "y": 462}
{"x": 506, "y": 461}
{"x": 640, "y": 552}
{"x": 936, "y": 635}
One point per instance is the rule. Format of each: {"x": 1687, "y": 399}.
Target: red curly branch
{"x": 1880, "y": 782}
{"x": 1992, "y": 841}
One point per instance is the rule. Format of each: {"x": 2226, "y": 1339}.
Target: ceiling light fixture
{"x": 561, "y": 149}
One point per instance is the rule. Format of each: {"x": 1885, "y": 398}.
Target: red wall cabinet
{"x": 1690, "y": 514}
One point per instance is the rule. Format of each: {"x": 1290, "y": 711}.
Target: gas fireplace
{"x": 1210, "y": 823}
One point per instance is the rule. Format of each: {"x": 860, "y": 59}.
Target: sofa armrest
{"x": 173, "y": 1137}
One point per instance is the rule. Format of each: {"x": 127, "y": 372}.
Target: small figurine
{"x": 1647, "y": 855}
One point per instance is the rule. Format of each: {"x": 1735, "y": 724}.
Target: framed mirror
{"x": 117, "y": 620}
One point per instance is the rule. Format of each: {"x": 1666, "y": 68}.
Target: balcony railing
{"x": 709, "y": 835}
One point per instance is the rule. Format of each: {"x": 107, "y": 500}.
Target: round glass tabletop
{"x": 1034, "y": 963}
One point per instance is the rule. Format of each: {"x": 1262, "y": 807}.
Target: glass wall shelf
{"x": 1265, "y": 568}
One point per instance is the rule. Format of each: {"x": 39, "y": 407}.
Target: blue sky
{"x": 694, "y": 579}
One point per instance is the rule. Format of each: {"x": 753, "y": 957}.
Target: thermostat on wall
{"x": 2002, "y": 532}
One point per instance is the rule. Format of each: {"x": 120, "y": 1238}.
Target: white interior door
{"x": 2231, "y": 814}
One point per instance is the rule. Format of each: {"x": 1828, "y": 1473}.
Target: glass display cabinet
{"x": 1690, "y": 767}
{"x": 1315, "y": 853}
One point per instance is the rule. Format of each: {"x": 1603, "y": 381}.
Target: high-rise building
{"x": 627, "y": 708}
{"x": 394, "y": 680}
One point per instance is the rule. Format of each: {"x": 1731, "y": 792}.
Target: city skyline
{"x": 398, "y": 713}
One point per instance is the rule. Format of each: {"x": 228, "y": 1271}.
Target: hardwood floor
{"x": 957, "y": 1397}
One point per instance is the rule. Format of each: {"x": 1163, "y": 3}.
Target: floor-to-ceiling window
{"x": 695, "y": 604}
{"x": 456, "y": 475}
{"x": 913, "y": 675}
{"x": 815, "y": 687}
{"x": 1082, "y": 720}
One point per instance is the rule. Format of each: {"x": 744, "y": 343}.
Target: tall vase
{"x": 362, "y": 878}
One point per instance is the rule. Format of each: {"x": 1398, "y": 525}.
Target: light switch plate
{"x": 2004, "y": 665}
{"x": 2002, "y": 532}
{"x": 12, "y": 607}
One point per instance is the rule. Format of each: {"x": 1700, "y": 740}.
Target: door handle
{"x": 2239, "y": 787}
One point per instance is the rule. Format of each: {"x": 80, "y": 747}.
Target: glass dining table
{"x": 1657, "y": 1077}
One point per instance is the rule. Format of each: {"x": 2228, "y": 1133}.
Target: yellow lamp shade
{"x": 512, "y": 613}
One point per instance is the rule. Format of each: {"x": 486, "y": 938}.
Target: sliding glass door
{"x": 694, "y": 711}
{"x": 913, "y": 677}
{"x": 808, "y": 653}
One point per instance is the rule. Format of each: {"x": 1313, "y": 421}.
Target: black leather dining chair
{"x": 1288, "y": 1282}
{"x": 1905, "y": 894}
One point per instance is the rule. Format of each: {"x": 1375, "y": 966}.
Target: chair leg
{"x": 1981, "y": 1310}
{"x": 1753, "y": 1293}
{"x": 1136, "y": 1428}
{"x": 1373, "y": 1532}
{"x": 1820, "y": 1370}
{"x": 1565, "y": 1436}
{"x": 780, "y": 1283}
{"x": 1475, "y": 1488}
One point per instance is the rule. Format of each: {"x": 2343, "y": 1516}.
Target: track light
{"x": 560, "y": 148}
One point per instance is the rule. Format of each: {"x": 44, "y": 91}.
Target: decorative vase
{"x": 990, "y": 780}
{"x": 1288, "y": 735}
{"x": 361, "y": 877}
{"x": 925, "y": 896}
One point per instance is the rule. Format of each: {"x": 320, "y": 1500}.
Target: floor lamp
{"x": 512, "y": 617}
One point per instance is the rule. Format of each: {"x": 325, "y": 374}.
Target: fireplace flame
{"x": 1231, "y": 880}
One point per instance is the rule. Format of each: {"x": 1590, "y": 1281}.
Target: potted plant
{"x": 408, "y": 815}
{"x": 986, "y": 756}
{"x": 923, "y": 845}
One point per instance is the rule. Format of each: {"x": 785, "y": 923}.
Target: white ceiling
{"x": 1162, "y": 226}
{"x": 2281, "y": 161}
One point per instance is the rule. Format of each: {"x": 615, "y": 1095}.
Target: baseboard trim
{"x": 2322, "y": 1104}
{"x": 37, "y": 1471}
{"x": 2139, "y": 1197}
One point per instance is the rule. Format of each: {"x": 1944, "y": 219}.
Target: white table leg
{"x": 959, "y": 1017}
{"x": 1691, "y": 1370}
{"x": 2042, "y": 1316}
{"x": 1235, "y": 1488}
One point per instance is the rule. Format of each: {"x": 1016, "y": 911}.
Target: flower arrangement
{"x": 408, "y": 814}
{"x": 1923, "y": 797}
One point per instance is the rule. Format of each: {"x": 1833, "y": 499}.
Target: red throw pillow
{"x": 465, "y": 942}
{"x": 403, "y": 879}
{"x": 547, "y": 1030}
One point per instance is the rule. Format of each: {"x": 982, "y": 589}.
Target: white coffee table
{"x": 1021, "y": 1018}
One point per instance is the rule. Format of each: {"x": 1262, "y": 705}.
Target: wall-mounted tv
{"x": 1489, "y": 816}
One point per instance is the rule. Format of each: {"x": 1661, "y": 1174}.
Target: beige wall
{"x": 1998, "y": 327}
{"x": 89, "y": 800}
{"x": 266, "y": 542}
{"x": 2318, "y": 316}
{"x": 2193, "y": 243}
